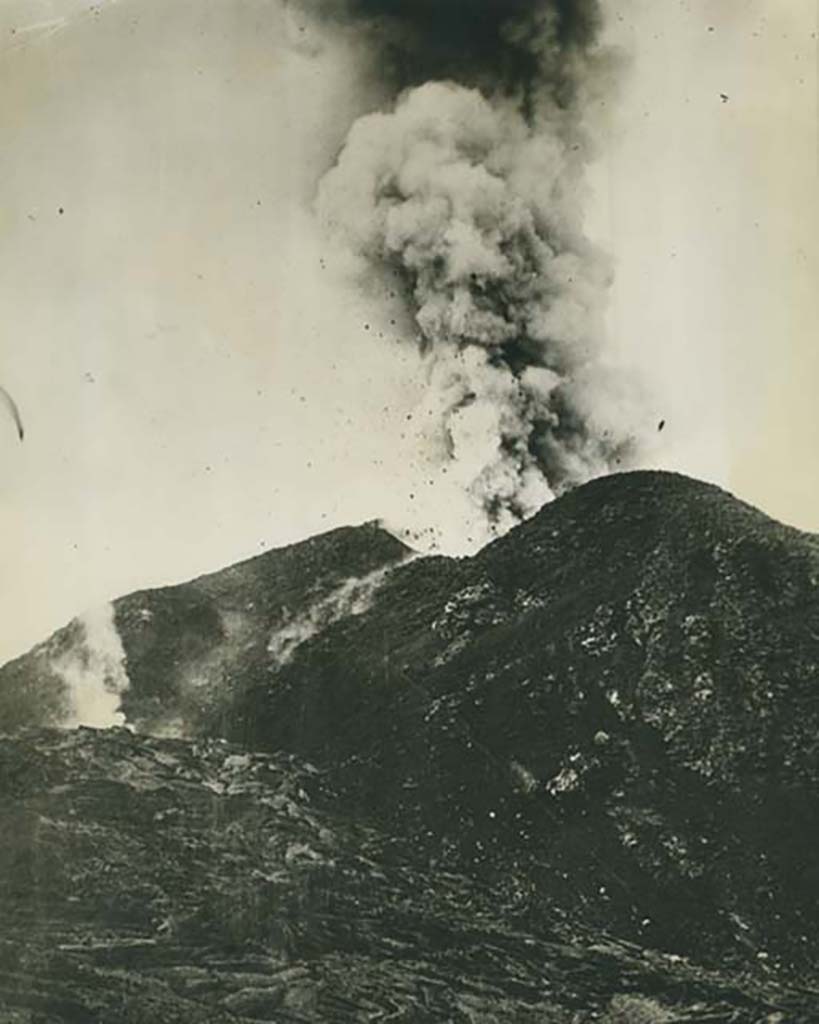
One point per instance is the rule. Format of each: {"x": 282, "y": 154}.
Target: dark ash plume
{"x": 480, "y": 43}
{"x": 469, "y": 190}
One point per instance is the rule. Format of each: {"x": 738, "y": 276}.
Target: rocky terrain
{"x": 163, "y": 880}
{"x": 572, "y": 778}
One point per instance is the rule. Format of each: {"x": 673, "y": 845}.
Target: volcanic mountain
{"x": 595, "y": 739}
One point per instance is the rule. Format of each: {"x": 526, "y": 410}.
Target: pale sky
{"x": 196, "y": 384}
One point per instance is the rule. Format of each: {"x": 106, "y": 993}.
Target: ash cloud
{"x": 465, "y": 198}
{"x": 490, "y": 44}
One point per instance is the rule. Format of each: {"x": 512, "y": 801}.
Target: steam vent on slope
{"x": 573, "y": 778}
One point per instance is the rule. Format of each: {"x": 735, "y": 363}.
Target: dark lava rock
{"x": 149, "y": 880}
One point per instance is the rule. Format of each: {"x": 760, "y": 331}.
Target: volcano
{"x": 570, "y": 778}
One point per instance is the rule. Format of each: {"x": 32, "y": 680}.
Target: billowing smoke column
{"x": 466, "y": 197}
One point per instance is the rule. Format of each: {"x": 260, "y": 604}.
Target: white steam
{"x": 353, "y": 597}
{"x": 471, "y": 211}
{"x": 94, "y": 672}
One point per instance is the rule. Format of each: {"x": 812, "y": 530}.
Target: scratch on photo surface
{"x": 25, "y": 36}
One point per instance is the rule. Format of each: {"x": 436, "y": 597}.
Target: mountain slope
{"x": 179, "y": 644}
{"x": 619, "y": 698}
{"x": 612, "y": 710}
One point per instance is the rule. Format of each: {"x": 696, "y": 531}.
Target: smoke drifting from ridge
{"x": 349, "y": 599}
{"x": 465, "y": 199}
